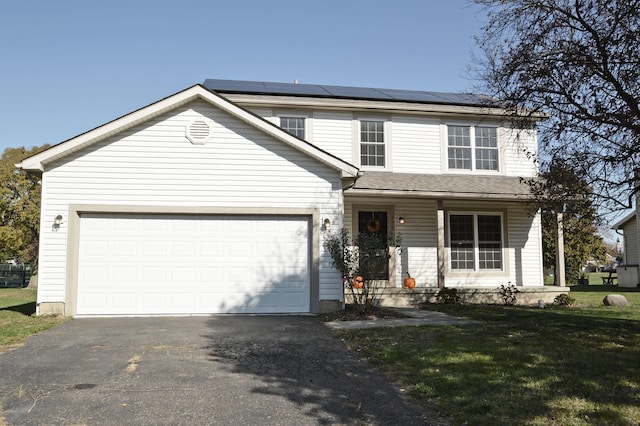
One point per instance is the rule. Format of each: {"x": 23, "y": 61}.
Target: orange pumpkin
{"x": 409, "y": 282}
{"x": 358, "y": 282}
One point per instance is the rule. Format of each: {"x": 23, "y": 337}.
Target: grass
{"x": 528, "y": 366}
{"x": 17, "y": 319}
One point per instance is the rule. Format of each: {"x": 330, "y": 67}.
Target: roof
{"x": 345, "y": 92}
{"x": 622, "y": 222}
{"x": 37, "y": 162}
{"x": 441, "y": 186}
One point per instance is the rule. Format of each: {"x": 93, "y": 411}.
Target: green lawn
{"x": 553, "y": 366}
{"x": 17, "y": 319}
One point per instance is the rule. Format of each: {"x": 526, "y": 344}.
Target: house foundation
{"x": 527, "y": 296}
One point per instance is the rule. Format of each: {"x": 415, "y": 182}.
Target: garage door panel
{"x": 193, "y": 265}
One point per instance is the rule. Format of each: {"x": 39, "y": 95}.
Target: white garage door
{"x": 183, "y": 264}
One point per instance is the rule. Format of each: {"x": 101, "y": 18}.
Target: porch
{"x": 527, "y": 296}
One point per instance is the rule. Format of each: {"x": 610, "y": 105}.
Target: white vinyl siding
{"x": 630, "y": 231}
{"x": 416, "y": 144}
{"x": 332, "y": 132}
{"x": 153, "y": 164}
{"x": 520, "y": 150}
{"x": 522, "y": 255}
{"x": 522, "y": 264}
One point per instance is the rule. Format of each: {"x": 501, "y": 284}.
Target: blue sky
{"x": 68, "y": 66}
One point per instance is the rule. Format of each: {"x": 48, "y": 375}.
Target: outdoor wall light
{"x": 401, "y": 220}
{"x": 327, "y": 224}
{"x": 57, "y": 221}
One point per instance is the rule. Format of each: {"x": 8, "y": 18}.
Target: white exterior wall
{"x": 155, "y": 165}
{"x": 418, "y": 143}
{"x": 522, "y": 236}
{"x": 519, "y": 148}
{"x": 630, "y": 231}
{"x": 521, "y": 233}
{"x": 333, "y": 132}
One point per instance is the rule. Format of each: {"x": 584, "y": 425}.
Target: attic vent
{"x": 198, "y": 132}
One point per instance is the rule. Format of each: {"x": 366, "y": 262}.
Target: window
{"x": 372, "y": 149}
{"x": 475, "y": 239}
{"x": 293, "y": 125}
{"x": 472, "y": 148}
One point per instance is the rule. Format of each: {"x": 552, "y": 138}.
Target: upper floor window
{"x": 372, "y": 147}
{"x": 293, "y": 125}
{"x": 476, "y": 241}
{"x": 472, "y": 148}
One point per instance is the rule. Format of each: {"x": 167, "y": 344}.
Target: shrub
{"x": 365, "y": 256}
{"x": 509, "y": 294}
{"x": 564, "y": 300}
{"x": 448, "y": 296}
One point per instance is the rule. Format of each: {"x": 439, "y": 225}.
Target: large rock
{"x": 615, "y": 300}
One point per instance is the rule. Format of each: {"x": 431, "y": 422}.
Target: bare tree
{"x": 579, "y": 62}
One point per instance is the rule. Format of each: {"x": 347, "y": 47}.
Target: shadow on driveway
{"x": 227, "y": 370}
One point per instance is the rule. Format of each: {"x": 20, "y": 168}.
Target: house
{"x": 217, "y": 199}
{"x": 628, "y": 273}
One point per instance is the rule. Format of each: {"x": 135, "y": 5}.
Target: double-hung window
{"x": 476, "y": 242}
{"x": 293, "y": 125}
{"x": 372, "y": 145}
{"x": 472, "y": 148}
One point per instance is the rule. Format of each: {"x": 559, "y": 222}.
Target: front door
{"x": 373, "y": 231}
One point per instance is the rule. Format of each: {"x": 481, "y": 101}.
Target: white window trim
{"x": 444, "y": 132}
{"x": 476, "y": 252}
{"x": 308, "y": 122}
{"x": 387, "y": 142}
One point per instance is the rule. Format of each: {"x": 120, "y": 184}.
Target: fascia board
{"x": 619, "y": 224}
{"x": 355, "y": 104}
{"x": 37, "y": 162}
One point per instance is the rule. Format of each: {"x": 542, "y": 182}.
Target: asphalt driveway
{"x": 226, "y": 370}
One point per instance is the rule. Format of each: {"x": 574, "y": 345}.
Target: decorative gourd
{"x": 409, "y": 282}
{"x": 358, "y": 282}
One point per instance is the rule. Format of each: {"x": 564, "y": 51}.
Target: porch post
{"x": 441, "y": 249}
{"x": 559, "y": 272}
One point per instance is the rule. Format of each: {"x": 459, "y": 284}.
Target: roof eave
{"x": 437, "y": 194}
{"x": 348, "y": 103}
{"x": 38, "y": 162}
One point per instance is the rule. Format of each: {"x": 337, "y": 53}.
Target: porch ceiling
{"x": 440, "y": 186}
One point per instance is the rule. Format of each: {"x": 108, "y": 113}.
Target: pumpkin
{"x": 409, "y": 282}
{"x": 358, "y": 282}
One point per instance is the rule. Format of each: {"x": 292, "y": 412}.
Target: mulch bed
{"x": 350, "y": 313}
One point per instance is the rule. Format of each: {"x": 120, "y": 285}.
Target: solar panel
{"x": 343, "y": 92}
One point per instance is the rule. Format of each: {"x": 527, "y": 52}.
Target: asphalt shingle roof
{"x": 446, "y": 186}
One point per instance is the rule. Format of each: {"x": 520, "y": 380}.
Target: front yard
{"x": 552, "y": 366}
{"x": 17, "y": 322}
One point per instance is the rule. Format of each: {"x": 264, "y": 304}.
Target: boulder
{"x": 615, "y": 300}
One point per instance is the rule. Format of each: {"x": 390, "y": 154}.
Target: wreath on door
{"x": 373, "y": 226}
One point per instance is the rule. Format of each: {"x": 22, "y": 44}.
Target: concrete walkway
{"x": 415, "y": 317}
